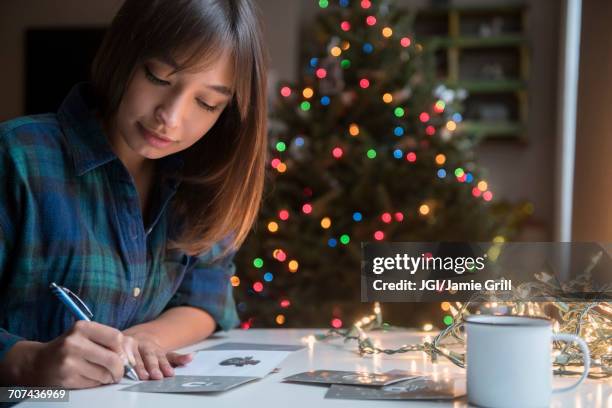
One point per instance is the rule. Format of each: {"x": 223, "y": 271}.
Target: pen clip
{"x": 80, "y": 303}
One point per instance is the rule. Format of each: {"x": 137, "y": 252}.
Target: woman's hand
{"x": 152, "y": 362}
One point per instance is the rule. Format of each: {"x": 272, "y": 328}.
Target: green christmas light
{"x": 345, "y": 63}
{"x": 371, "y": 154}
{"x": 345, "y": 239}
{"x": 459, "y": 172}
{"x": 281, "y": 146}
{"x": 448, "y": 320}
{"x": 258, "y": 262}
{"x": 323, "y": 3}
{"x": 399, "y": 112}
{"x": 305, "y": 106}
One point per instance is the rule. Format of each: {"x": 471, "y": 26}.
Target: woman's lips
{"x": 152, "y": 138}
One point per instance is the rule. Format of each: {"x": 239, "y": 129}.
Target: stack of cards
{"x": 220, "y": 368}
{"x": 392, "y": 385}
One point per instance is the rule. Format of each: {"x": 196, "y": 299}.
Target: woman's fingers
{"x": 176, "y": 359}
{"x": 142, "y": 372}
{"x": 151, "y": 363}
{"x": 164, "y": 365}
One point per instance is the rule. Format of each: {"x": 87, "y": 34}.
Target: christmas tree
{"x": 367, "y": 146}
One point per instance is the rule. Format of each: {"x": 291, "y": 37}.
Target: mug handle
{"x": 570, "y": 338}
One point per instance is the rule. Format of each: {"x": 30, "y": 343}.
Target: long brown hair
{"x": 223, "y": 175}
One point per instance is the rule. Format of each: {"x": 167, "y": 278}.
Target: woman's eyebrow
{"x": 222, "y": 89}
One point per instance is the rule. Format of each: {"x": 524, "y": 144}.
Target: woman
{"x": 135, "y": 196}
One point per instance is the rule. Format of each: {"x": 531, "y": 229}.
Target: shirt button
{"x": 136, "y": 292}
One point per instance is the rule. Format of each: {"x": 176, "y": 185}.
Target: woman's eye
{"x": 153, "y": 78}
{"x": 207, "y": 106}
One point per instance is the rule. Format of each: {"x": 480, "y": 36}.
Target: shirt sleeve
{"x": 7, "y": 340}
{"x": 206, "y": 285}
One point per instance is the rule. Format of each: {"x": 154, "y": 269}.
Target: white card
{"x": 238, "y": 363}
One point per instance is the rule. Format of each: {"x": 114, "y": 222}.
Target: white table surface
{"x": 272, "y": 392}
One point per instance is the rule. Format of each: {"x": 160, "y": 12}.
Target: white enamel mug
{"x": 509, "y": 361}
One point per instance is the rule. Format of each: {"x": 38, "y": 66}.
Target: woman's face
{"x": 162, "y": 112}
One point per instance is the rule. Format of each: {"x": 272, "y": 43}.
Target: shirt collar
{"x": 87, "y": 142}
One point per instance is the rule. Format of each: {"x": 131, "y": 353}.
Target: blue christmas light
{"x": 299, "y": 141}
{"x": 325, "y": 100}
{"x": 397, "y": 153}
{"x": 368, "y": 48}
{"x": 332, "y": 242}
{"x": 469, "y": 178}
{"x": 344, "y": 3}
{"x": 457, "y": 117}
{"x": 398, "y": 131}
{"x": 268, "y": 276}
{"x": 357, "y": 216}
{"x": 441, "y": 173}
{"x": 314, "y": 62}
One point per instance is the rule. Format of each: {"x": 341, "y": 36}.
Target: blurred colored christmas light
{"x": 445, "y": 306}
{"x": 268, "y": 276}
{"x": 357, "y": 216}
{"x": 285, "y": 303}
{"x": 462, "y": 178}
{"x": 293, "y": 265}
{"x": 457, "y": 117}
{"x": 299, "y": 141}
{"x": 371, "y": 154}
{"x": 424, "y": 209}
{"x": 280, "y": 319}
{"x": 476, "y": 192}
{"x": 440, "y": 159}
{"x": 345, "y": 239}
{"x": 397, "y": 153}
{"x": 345, "y": 45}
{"x": 368, "y": 48}
{"x": 386, "y": 217}
{"x": 285, "y": 91}
{"x": 337, "y": 152}
{"x": 283, "y": 215}
{"x": 353, "y": 129}
{"x": 487, "y": 196}
{"x": 274, "y": 163}
{"x": 308, "y": 92}
{"x": 430, "y": 130}
{"x": 411, "y": 157}
{"x": 364, "y": 83}
{"x": 344, "y": 3}
{"x": 245, "y": 325}
{"x": 398, "y": 131}
{"x": 258, "y": 286}
{"x": 281, "y": 146}
{"x": 281, "y": 168}
{"x": 450, "y": 125}
{"x": 305, "y": 106}
{"x": 345, "y": 26}
{"x": 379, "y": 235}
{"x": 427, "y": 327}
{"x": 469, "y": 178}
{"x": 441, "y": 173}
{"x": 405, "y": 42}
{"x": 325, "y": 100}
{"x": 424, "y": 117}
{"x": 235, "y": 281}
{"x": 439, "y": 106}
{"x": 399, "y": 217}
{"x": 307, "y": 208}
{"x": 272, "y": 226}
{"x": 370, "y": 20}
{"x": 482, "y": 185}
{"x": 332, "y": 242}
{"x": 399, "y": 112}
{"x": 448, "y": 320}
{"x": 321, "y": 73}
{"x": 323, "y": 3}
{"x": 365, "y": 4}
{"x": 345, "y": 63}
{"x": 279, "y": 255}
{"x": 258, "y": 262}
{"x": 387, "y": 98}
{"x": 459, "y": 172}
{"x": 335, "y": 51}
{"x": 336, "y": 323}
{"x": 325, "y": 222}
{"x": 387, "y": 32}
{"x": 314, "y": 62}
